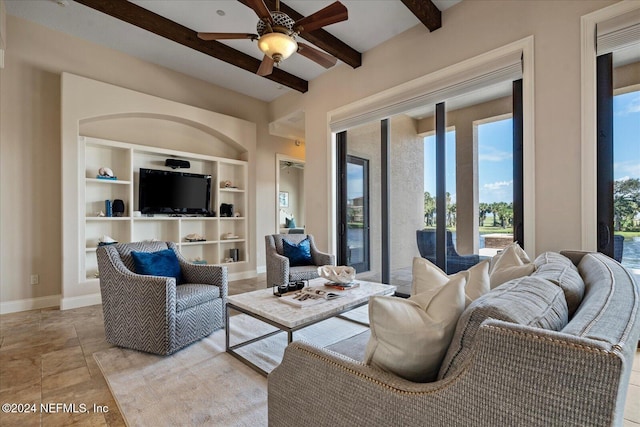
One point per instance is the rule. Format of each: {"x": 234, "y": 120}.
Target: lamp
{"x": 277, "y": 46}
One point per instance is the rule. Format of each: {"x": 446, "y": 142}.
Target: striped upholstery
{"x": 278, "y": 270}
{"x": 151, "y": 313}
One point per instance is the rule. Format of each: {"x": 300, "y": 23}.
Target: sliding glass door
{"x": 618, "y": 157}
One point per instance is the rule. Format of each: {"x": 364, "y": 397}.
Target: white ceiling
{"x": 370, "y": 23}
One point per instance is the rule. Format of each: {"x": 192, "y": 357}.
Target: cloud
{"x": 498, "y": 185}
{"x": 491, "y": 154}
{"x": 629, "y": 168}
{"x": 632, "y": 106}
{"x": 499, "y": 191}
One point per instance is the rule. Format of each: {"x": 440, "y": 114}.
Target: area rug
{"x": 202, "y": 384}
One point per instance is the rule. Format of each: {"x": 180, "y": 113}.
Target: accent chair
{"x": 279, "y": 270}
{"x": 154, "y": 313}
{"x": 426, "y": 240}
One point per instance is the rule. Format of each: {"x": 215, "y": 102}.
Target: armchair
{"x": 153, "y": 313}
{"x": 426, "y": 240}
{"x": 279, "y": 272}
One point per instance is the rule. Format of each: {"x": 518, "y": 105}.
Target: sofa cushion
{"x": 512, "y": 263}
{"x": 530, "y": 301}
{"x": 426, "y": 275}
{"x": 409, "y": 337}
{"x": 610, "y": 297}
{"x": 554, "y": 258}
{"x": 567, "y": 278}
{"x": 190, "y": 295}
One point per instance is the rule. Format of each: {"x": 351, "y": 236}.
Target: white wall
{"x": 471, "y": 28}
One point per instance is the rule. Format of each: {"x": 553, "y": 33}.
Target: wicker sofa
{"x": 513, "y": 360}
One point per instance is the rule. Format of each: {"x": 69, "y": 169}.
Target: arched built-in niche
{"x": 163, "y": 131}
{"x": 110, "y": 112}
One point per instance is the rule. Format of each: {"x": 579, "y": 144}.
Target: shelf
{"x": 204, "y": 242}
{"x": 125, "y": 160}
{"x": 108, "y": 218}
{"x": 106, "y": 181}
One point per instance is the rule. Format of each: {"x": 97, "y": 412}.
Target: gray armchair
{"x": 279, "y": 272}
{"x": 152, "y": 313}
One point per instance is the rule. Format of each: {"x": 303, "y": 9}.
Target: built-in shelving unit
{"x": 221, "y": 234}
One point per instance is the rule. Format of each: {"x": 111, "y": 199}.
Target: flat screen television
{"x": 168, "y": 192}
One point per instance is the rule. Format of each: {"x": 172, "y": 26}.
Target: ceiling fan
{"x": 277, "y": 31}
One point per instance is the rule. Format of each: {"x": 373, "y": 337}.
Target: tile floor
{"x": 46, "y": 356}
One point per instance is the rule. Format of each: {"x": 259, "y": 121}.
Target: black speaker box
{"x": 226, "y": 210}
{"x": 177, "y": 164}
{"x": 117, "y": 207}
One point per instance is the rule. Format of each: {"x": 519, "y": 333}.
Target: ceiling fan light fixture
{"x": 277, "y": 46}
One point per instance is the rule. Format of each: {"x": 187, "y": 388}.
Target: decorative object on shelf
{"x": 228, "y": 260}
{"x": 106, "y": 173}
{"x": 237, "y": 214}
{"x": 100, "y": 214}
{"x": 118, "y": 207}
{"x": 229, "y": 236}
{"x": 284, "y": 199}
{"x": 194, "y": 237}
{"x": 108, "y": 208}
{"x": 199, "y": 260}
{"x": 226, "y": 184}
{"x": 137, "y": 213}
{"x": 106, "y": 240}
{"x": 233, "y": 254}
{"x": 340, "y": 274}
{"x": 226, "y": 210}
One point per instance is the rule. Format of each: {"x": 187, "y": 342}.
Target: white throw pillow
{"x": 427, "y": 275}
{"x": 410, "y": 337}
{"x": 512, "y": 263}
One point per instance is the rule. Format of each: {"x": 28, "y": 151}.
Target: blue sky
{"x": 495, "y": 159}
{"x": 626, "y": 133}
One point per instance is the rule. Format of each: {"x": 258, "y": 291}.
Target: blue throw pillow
{"x": 161, "y": 263}
{"x": 298, "y": 254}
{"x": 290, "y": 223}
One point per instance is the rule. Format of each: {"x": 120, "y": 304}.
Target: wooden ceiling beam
{"x": 426, "y": 12}
{"x": 320, "y": 38}
{"x": 147, "y": 20}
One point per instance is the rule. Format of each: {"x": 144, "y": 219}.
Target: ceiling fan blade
{"x": 227, "y": 36}
{"x": 260, "y": 9}
{"x": 266, "y": 66}
{"x": 335, "y": 12}
{"x": 324, "y": 59}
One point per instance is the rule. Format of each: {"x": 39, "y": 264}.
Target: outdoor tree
{"x": 626, "y": 203}
{"x": 429, "y": 209}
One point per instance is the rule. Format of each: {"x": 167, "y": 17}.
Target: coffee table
{"x": 265, "y": 306}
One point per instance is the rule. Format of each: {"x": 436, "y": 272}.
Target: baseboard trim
{"x": 29, "y": 304}
{"x": 241, "y": 275}
{"x": 81, "y": 301}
